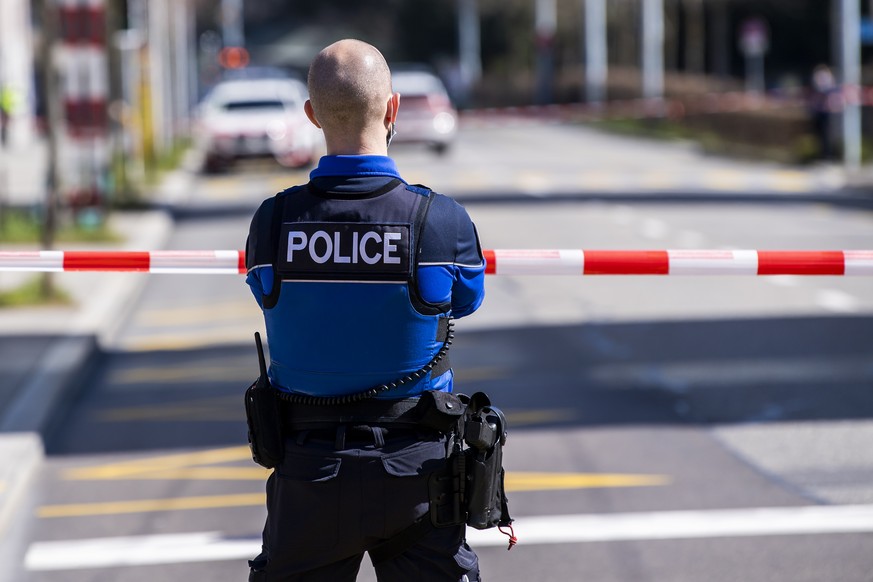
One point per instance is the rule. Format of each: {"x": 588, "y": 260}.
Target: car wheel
{"x": 214, "y": 164}
{"x": 297, "y": 160}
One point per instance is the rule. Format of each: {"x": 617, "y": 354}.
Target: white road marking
{"x": 552, "y": 529}
{"x": 837, "y": 301}
{"x": 654, "y": 228}
{"x": 784, "y": 280}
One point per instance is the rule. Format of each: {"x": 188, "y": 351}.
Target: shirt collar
{"x": 364, "y": 165}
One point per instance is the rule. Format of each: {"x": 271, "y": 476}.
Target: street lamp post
{"x": 653, "y": 49}
{"x": 595, "y": 50}
{"x": 851, "y": 80}
{"x": 469, "y": 47}
{"x": 53, "y": 129}
{"x": 545, "y": 26}
{"x": 232, "y": 31}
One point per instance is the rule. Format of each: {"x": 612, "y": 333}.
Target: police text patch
{"x": 324, "y": 250}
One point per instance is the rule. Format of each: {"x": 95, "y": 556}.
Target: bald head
{"x": 349, "y": 87}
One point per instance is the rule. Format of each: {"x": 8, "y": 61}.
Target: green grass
{"x": 18, "y": 227}
{"x": 32, "y": 293}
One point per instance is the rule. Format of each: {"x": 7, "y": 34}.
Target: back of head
{"x": 349, "y": 85}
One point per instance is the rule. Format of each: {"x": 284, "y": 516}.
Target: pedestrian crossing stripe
{"x": 170, "y": 548}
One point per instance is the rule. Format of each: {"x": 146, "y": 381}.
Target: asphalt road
{"x": 664, "y": 429}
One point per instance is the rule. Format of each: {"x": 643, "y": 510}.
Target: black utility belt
{"x": 433, "y": 410}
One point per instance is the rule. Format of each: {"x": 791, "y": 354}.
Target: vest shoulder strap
{"x": 272, "y": 298}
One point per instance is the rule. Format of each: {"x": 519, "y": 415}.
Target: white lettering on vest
{"x": 390, "y": 248}
{"x": 360, "y": 248}
{"x": 323, "y": 258}
{"x": 370, "y": 260}
{"x": 296, "y": 242}
{"x": 337, "y": 257}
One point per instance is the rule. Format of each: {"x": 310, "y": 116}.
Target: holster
{"x": 485, "y": 493}
{"x": 264, "y": 418}
{"x": 472, "y": 490}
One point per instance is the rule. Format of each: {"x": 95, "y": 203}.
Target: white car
{"x": 426, "y": 113}
{"x": 256, "y": 117}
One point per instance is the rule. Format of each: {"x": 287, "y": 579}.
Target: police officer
{"x": 359, "y": 275}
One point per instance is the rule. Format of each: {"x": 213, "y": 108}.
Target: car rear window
{"x": 417, "y": 84}
{"x": 258, "y": 105}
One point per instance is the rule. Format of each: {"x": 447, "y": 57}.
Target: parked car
{"x": 426, "y": 113}
{"x": 256, "y": 117}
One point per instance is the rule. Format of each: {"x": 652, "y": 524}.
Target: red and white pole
{"x": 573, "y": 262}
{"x": 86, "y": 94}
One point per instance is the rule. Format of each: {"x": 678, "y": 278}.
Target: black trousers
{"x": 341, "y": 492}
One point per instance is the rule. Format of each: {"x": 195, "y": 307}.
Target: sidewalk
{"x": 22, "y": 174}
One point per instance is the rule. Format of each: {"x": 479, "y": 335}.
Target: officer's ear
{"x": 391, "y": 109}
{"x": 310, "y": 113}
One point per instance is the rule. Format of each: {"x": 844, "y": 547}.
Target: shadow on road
{"x": 682, "y": 372}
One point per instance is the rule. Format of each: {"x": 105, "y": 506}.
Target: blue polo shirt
{"x": 450, "y": 271}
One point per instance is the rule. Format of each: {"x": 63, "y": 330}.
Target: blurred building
{"x": 16, "y": 72}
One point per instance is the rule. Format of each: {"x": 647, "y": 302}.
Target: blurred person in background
{"x": 823, "y": 103}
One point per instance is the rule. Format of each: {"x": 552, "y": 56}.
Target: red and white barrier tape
{"x": 500, "y": 262}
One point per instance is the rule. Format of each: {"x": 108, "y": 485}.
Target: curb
{"x": 23, "y": 456}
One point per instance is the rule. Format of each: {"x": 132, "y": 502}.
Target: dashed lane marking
{"x": 550, "y": 529}
{"x": 547, "y": 481}
{"x": 223, "y": 409}
{"x": 178, "y": 374}
{"x": 515, "y": 482}
{"x": 226, "y": 408}
{"x": 790, "y": 181}
{"x": 188, "y": 315}
{"x": 151, "y": 505}
{"x": 724, "y": 180}
{"x": 197, "y": 339}
{"x": 137, "y": 467}
{"x": 207, "y": 465}
{"x": 715, "y": 179}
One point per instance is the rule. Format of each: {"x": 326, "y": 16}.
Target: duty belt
{"x": 435, "y": 410}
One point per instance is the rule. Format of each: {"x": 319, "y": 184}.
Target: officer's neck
{"x": 342, "y": 144}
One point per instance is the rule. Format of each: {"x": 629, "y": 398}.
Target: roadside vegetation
{"x": 33, "y": 292}
{"x": 24, "y": 227}
{"x": 20, "y": 227}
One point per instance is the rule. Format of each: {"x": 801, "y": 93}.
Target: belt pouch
{"x": 262, "y": 415}
{"x": 441, "y": 411}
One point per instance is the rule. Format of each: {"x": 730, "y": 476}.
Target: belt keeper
{"x": 340, "y": 442}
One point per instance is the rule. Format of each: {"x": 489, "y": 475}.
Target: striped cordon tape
{"x": 500, "y": 262}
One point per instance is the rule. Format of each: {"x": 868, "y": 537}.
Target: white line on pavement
{"x": 837, "y": 301}
{"x": 553, "y": 529}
